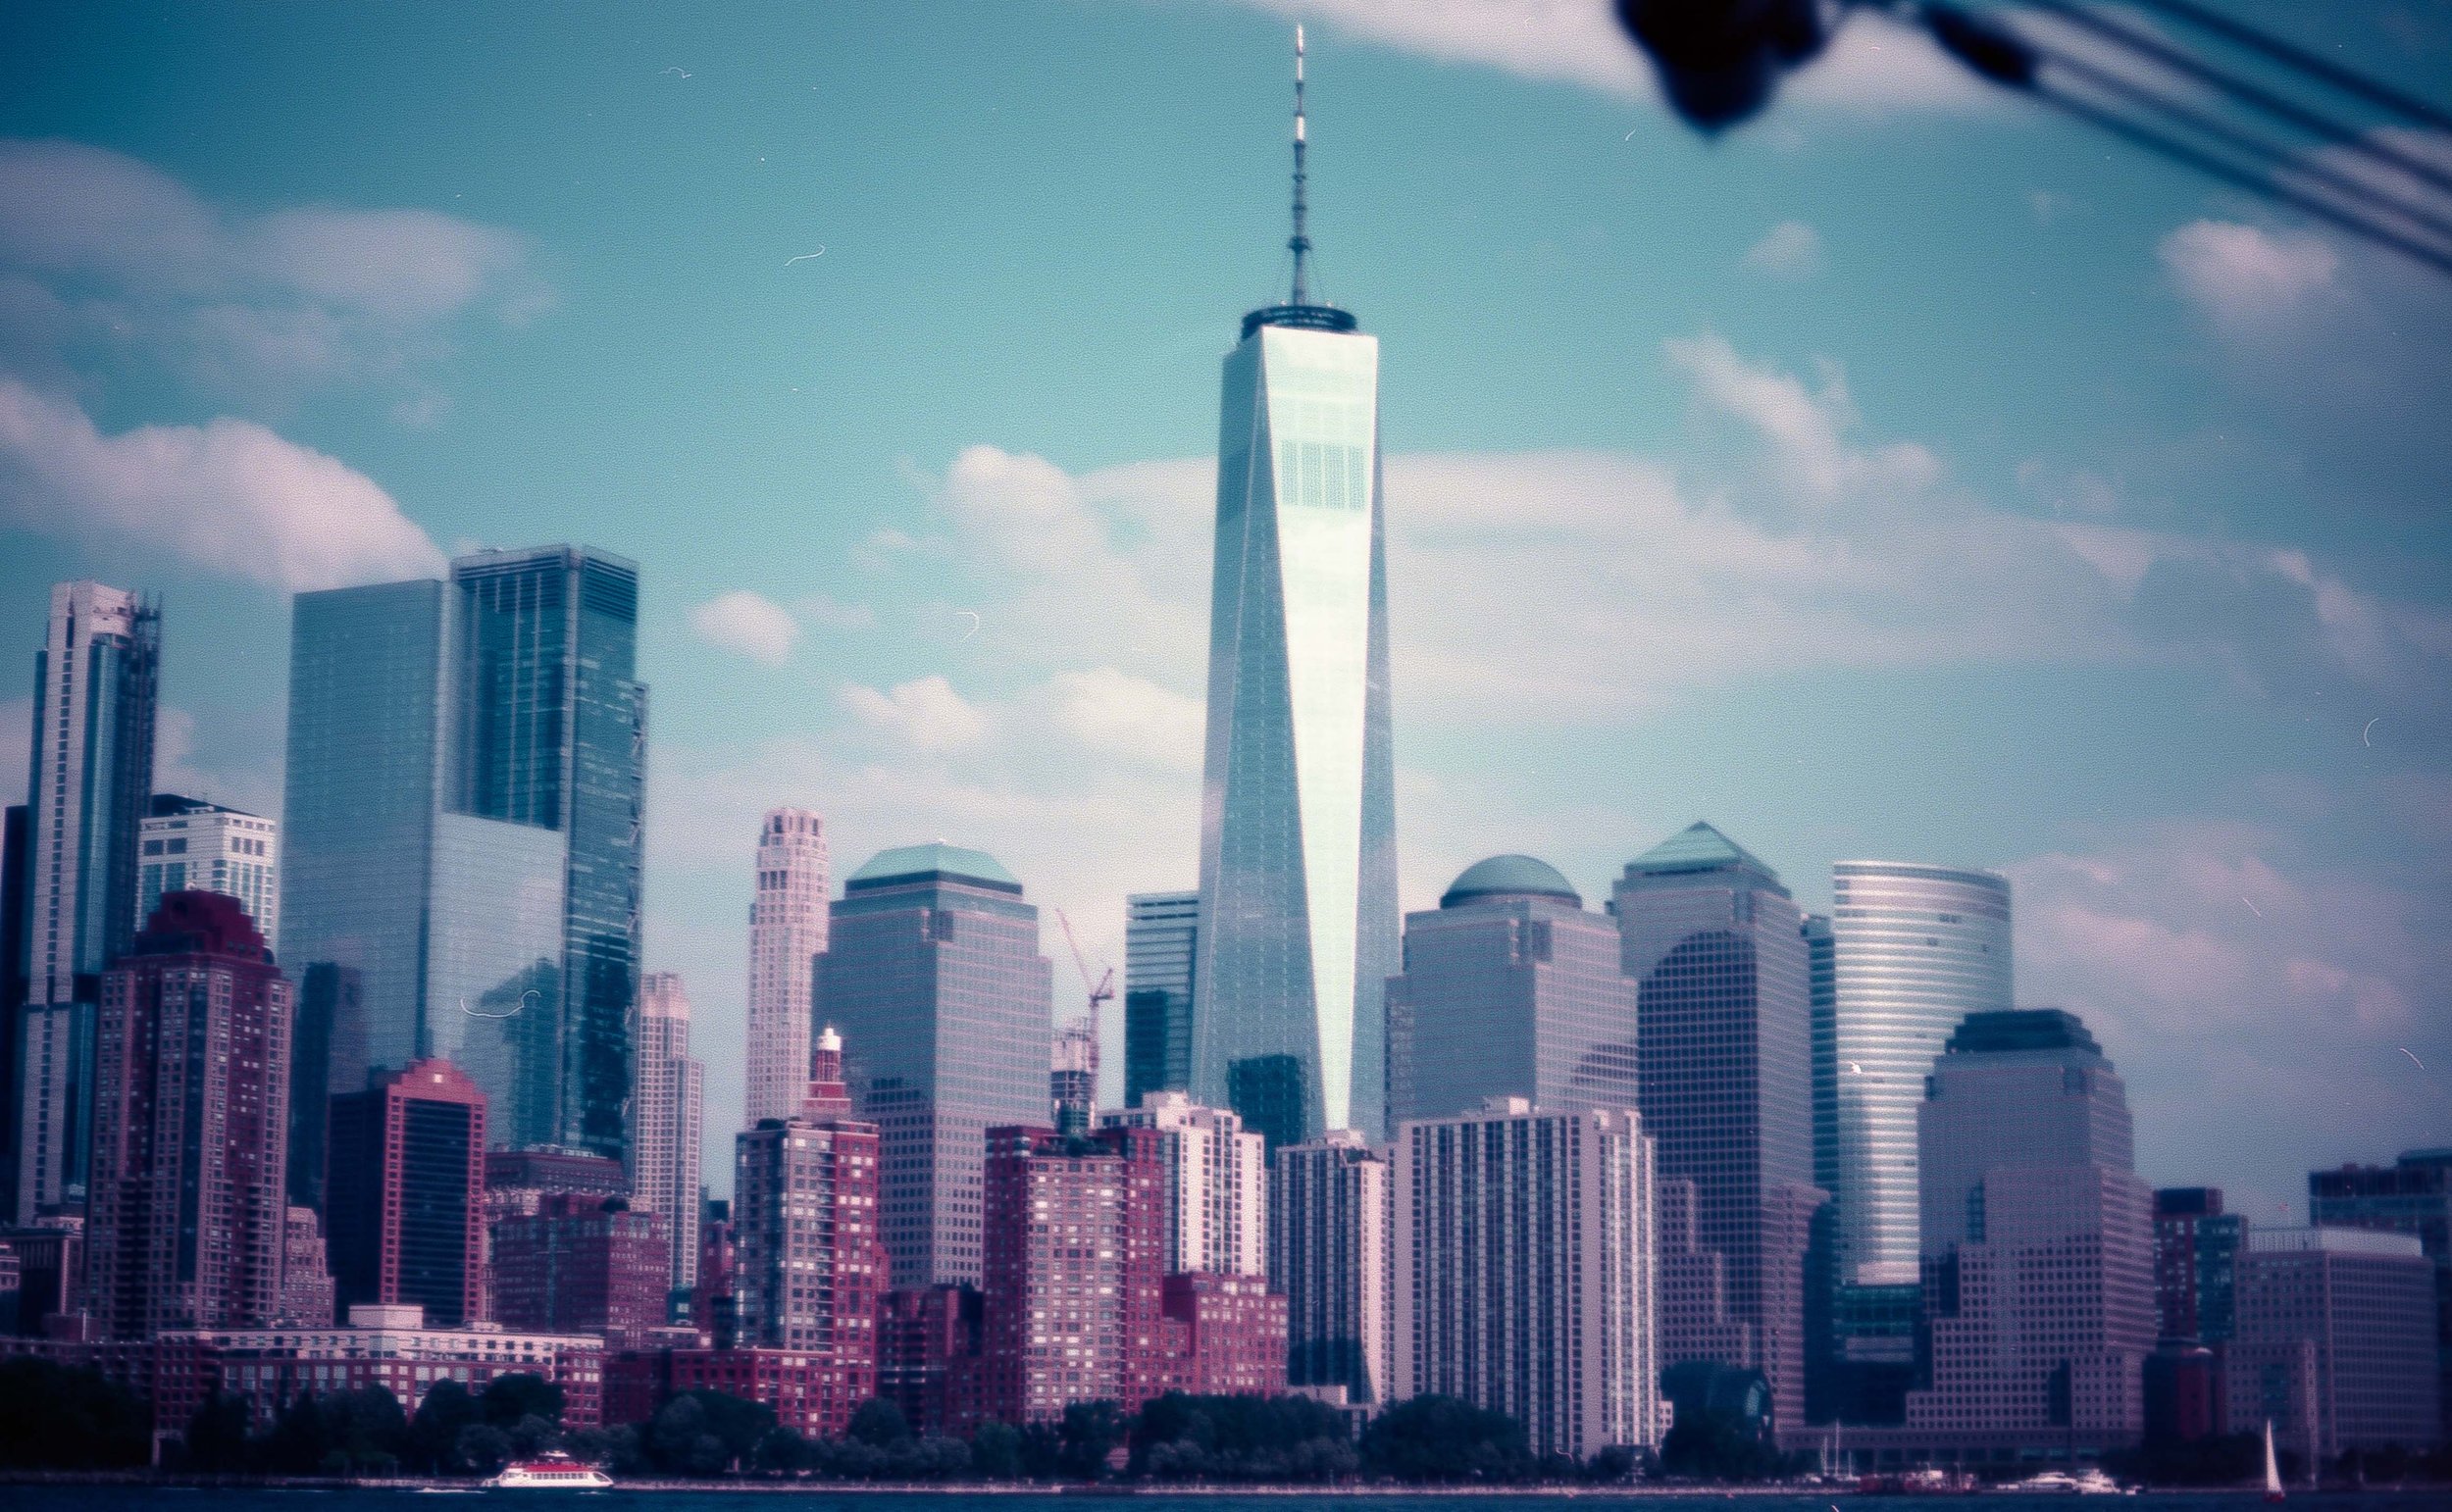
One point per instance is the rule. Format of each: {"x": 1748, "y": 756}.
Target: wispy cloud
{"x": 750, "y": 624}
{"x": 925, "y": 714}
{"x": 2245, "y": 277}
{"x": 1791, "y": 249}
{"x": 229, "y": 496}
{"x": 101, "y": 254}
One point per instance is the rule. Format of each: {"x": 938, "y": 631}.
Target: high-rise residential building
{"x": 1073, "y": 1075}
{"x": 1915, "y": 948}
{"x": 2037, "y": 1239}
{"x": 1298, "y": 932}
{"x": 1330, "y": 1252}
{"x": 1160, "y": 928}
{"x": 187, "y": 1210}
{"x": 2413, "y": 1195}
{"x": 666, "y": 1122}
{"x": 808, "y": 1264}
{"x": 1509, "y": 989}
{"x": 932, "y": 974}
{"x": 1715, "y": 946}
{"x": 462, "y": 834}
{"x": 404, "y": 1202}
{"x": 307, "y": 1298}
{"x": 1073, "y": 1299}
{"x": 519, "y": 1180}
{"x": 1216, "y": 1184}
{"x": 96, "y": 681}
{"x": 787, "y": 934}
{"x": 2334, "y": 1341}
{"x": 579, "y": 1265}
{"x": 2196, "y": 1264}
{"x": 16, "y": 839}
{"x": 187, "y": 844}
{"x": 1524, "y": 1280}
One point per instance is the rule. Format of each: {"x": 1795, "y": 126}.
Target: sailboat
{"x": 2273, "y": 1468}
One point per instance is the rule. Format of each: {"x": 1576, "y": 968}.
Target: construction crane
{"x": 1102, "y": 989}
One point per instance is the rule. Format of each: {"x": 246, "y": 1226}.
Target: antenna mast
{"x": 1298, "y": 242}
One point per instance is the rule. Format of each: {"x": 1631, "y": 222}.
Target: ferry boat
{"x": 553, "y": 1472}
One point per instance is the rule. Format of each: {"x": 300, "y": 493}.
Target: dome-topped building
{"x": 1511, "y": 989}
{"x": 1510, "y": 875}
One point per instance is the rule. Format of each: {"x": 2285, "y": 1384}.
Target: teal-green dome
{"x": 1510, "y": 876}
{"x": 923, "y": 863}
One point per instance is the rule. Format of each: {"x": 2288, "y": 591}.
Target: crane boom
{"x": 1103, "y": 986}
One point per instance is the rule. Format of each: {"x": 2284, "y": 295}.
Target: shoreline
{"x": 1103, "y": 1489}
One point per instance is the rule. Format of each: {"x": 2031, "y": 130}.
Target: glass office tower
{"x": 1160, "y": 928}
{"x": 1717, "y": 948}
{"x": 467, "y": 783}
{"x": 1916, "y": 949}
{"x": 1298, "y": 931}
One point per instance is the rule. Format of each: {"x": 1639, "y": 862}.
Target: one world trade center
{"x": 1298, "y": 929}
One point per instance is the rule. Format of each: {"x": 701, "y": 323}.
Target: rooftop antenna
{"x": 1298, "y": 242}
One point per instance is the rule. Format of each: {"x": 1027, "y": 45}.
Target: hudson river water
{"x": 829, "y": 1499}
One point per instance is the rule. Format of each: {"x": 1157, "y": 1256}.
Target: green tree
{"x": 508, "y": 1398}
{"x": 877, "y": 1423}
{"x": 1440, "y": 1439}
{"x": 482, "y": 1448}
{"x": 1090, "y": 1430}
{"x": 58, "y": 1417}
{"x": 997, "y": 1451}
{"x": 782, "y": 1452}
{"x": 217, "y": 1438}
{"x": 434, "y": 1432}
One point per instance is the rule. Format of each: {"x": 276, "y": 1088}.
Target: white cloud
{"x": 1872, "y": 66}
{"x": 2255, "y": 994}
{"x": 228, "y": 496}
{"x": 1805, "y": 428}
{"x": 750, "y": 624}
{"x": 261, "y": 307}
{"x": 1129, "y": 718}
{"x": 925, "y": 713}
{"x": 1791, "y": 249}
{"x": 2245, "y": 277}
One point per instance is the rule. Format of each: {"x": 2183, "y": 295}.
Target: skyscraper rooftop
{"x": 1510, "y": 875}
{"x": 933, "y": 862}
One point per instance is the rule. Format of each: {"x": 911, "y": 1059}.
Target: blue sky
{"x": 1906, "y": 474}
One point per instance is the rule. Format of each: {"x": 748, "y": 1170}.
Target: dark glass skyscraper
{"x": 1160, "y": 928}
{"x": 467, "y": 785}
{"x": 1298, "y": 929}
{"x": 932, "y": 975}
{"x": 1509, "y": 989}
{"x": 1716, "y": 951}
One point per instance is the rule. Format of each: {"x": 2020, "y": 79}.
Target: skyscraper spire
{"x": 1298, "y": 242}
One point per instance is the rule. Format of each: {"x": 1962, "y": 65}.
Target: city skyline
{"x": 2220, "y": 814}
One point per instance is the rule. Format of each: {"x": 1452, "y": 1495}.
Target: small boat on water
{"x": 2089, "y": 1482}
{"x": 554, "y": 1472}
{"x": 2272, "y": 1467}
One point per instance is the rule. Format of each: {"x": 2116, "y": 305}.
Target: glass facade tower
{"x": 96, "y": 682}
{"x": 1916, "y": 949}
{"x": 1160, "y": 928}
{"x": 467, "y": 783}
{"x": 1298, "y": 929}
{"x": 1717, "y": 948}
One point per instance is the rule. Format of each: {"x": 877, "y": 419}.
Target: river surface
{"x": 832, "y": 1499}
